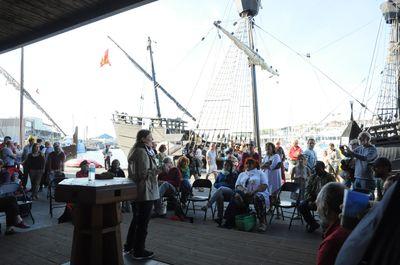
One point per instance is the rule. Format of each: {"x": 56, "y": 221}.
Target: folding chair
{"x": 199, "y": 183}
{"x": 284, "y": 201}
{"x": 54, "y": 180}
{"x": 24, "y": 204}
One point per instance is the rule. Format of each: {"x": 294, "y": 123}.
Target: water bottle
{"x": 92, "y": 171}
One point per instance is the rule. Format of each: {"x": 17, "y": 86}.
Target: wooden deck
{"x": 175, "y": 243}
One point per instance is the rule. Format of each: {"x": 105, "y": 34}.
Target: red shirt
{"x": 294, "y": 152}
{"x": 173, "y": 176}
{"x": 334, "y": 238}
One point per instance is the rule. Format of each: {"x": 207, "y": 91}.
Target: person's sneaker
{"x": 311, "y": 228}
{"x": 143, "y": 255}
{"x": 22, "y": 225}
{"x": 262, "y": 228}
{"x": 218, "y": 221}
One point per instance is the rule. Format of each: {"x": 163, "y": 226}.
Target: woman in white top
{"x": 252, "y": 187}
{"x": 211, "y": 157}
{"x": 271, "y": 164}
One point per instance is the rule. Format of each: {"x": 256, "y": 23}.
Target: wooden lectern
{"x": 96, "y": 218}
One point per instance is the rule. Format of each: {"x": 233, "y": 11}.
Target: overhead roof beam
{"x": 26, "y": 22}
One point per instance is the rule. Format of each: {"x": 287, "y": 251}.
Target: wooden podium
{"x": 96, "y": 218}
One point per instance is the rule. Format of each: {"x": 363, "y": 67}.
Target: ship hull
{"x": 126, "y": 138}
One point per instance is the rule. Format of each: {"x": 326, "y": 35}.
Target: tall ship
{"x": 218, "y": 122}
{"x": 385, "y": 128}
{"x": 386, "y": 134}
{"x": 170, "y": 131}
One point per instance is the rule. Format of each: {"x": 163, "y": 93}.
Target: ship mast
{"x": 153, "y": 73}
{"x": 249, "y": 9}
{"x": 388, "y": 104}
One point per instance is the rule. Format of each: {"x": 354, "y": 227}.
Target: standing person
{"x": 363, "y": 155}
{"x": 39, "y": 142}
{"x": 279, "y": 150}
{"x": 142, "y": 169}
{"x": 55, "y": 161}
{"x": 28, "y": 148}
{"x": 251, "y": 153}
{"x": 193, "y": 164}
{"x": 46, "y": 151}
{"x": 314, "y": 185}
{"x": 332, "y": 159}
{"x": 272, "y": 168}
{"x": 18, "y": 154}
{"x": 294, "y": 153}
{"x": 211, "y": 157}
{"x": 25, "y": 152}
{"x": 310, "y": 154}
{"x": 300, "y": 174}
{"x": 161, "y": 155}
{"x": 107, "y": 157}
{"x": 34, "y": 163}
{"x": 199, "y": 156}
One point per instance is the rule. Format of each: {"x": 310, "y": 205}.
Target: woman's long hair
{"x": 140, "y": 135}
{"x": 273, "y": 147}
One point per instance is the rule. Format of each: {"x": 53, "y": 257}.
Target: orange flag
{"x": 105, "y": 59}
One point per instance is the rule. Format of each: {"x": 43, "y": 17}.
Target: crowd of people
{"x": 37, "y": 162}
{"x": 242, "y": 177}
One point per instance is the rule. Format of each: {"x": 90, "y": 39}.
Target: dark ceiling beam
{"x": 55, "y": 26}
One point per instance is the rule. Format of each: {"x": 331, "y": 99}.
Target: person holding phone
{"x": 364, "y": 154}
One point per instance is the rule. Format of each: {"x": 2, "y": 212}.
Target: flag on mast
{"x": 105, "y": 60}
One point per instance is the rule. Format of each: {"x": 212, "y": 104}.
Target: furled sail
{"x": 253, "y": 57}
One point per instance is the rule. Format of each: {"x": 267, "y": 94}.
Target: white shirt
{"x": 212, "y": 157}
{"x": 251, "y": 180}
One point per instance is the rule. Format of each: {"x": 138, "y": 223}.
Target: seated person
{"x": 5, "y": 176}
{"x": 300, "y": 174}
{"x": 84, "y": 172}
{"x": 9, "y": 205}
{"x": 314, "y": 185}
{"x": 347, "y": 171}
{"x": 116, "y": 170}
{"x": 250, "y": 187}
{"x": 382, "y": 171}
{"x": 225, "y": 184}
{"x": 328, "y": 203}
{"x": 169, "y": 181}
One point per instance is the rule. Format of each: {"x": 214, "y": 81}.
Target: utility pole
{"x": 21, "y": 103}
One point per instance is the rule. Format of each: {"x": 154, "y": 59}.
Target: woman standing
{"x": 35, "y": 166}
{"x": 271, "y": 165}
{"x": 142, "y": 169}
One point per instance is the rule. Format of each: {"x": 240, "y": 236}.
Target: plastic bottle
{"x": 92, "y": 171}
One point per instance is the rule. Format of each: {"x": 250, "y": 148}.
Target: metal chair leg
{"x": 291, "y": 219}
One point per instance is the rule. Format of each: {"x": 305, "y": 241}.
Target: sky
{"x": 63, "y": 73}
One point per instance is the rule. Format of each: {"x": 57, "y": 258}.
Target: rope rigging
{"x": 316, "y": 68}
